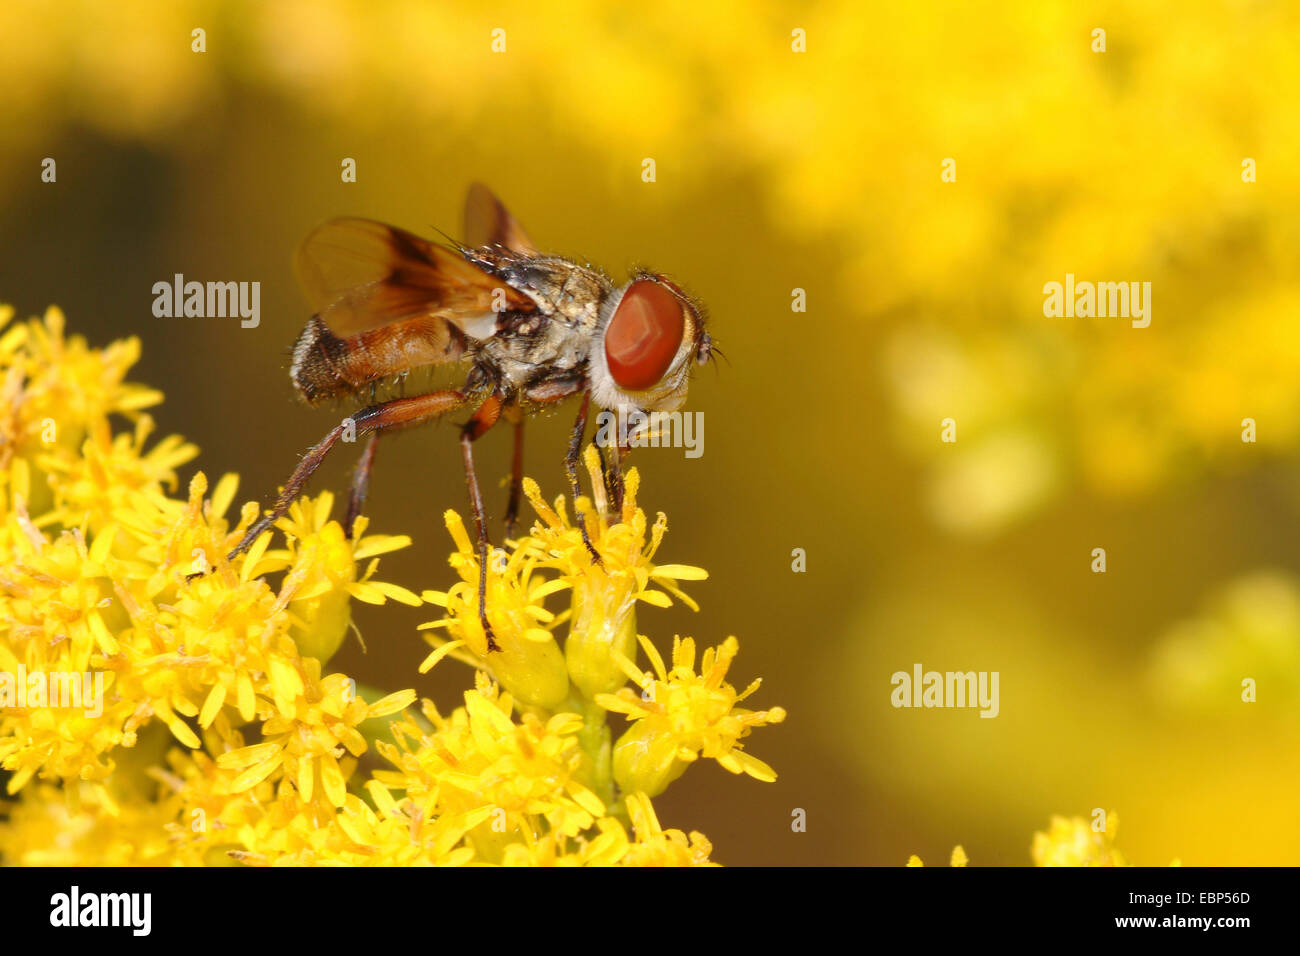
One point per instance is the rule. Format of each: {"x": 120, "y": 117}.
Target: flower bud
{"x": 603, "y": 621}
{"x": 646, "y": 759}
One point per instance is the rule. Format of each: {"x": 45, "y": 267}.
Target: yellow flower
{"x": 681, "y": 715}
{"x": 602, "y": 613}
{"x": 1074, "y": 842}
{"x": 56, "y": 391}
{"x": 516, "y": 777}
{"x": 100, "y": 582}
{"x": 322, "y": 578}
{"x": 608, "y": 847}
{"x": 316, "y": 723}
{"x": 959, "y": 858}
{"x": 551, "y": 558}
{"x": 45, "y": 829}
{"x": 656, "y": 846}
{"x": 529, "y": 663}
{"x": 1068, "y": 842}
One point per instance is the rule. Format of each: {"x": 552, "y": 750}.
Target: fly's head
{"x": 650, "y": 336}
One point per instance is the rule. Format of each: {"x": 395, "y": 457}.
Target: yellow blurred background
{"x": 779, "y": 170}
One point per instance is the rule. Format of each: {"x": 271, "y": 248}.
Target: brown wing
{"x": 488, "y": 222}
{"x": 361, "y": 275}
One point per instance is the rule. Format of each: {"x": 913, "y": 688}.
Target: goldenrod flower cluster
{"x": 221, "y": 737}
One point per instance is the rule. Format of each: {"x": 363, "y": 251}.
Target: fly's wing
{"x": 361, "y": 275}
{"x": 488, "y": 223}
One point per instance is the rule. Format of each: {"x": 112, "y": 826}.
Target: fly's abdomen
{"x": 325, "y": 366}
{"x": 319, "y": 360}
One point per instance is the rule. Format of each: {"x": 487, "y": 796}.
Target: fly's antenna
{"x": 454, "y": 243}
{"x": 716, "y": 353}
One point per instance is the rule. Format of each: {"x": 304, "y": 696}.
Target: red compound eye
{"x": 644, "y": 334}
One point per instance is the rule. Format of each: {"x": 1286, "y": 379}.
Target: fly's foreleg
{"x": 515, "y": 415}
{"x": 571, "y": 466}
{"x": 484, "y": 417}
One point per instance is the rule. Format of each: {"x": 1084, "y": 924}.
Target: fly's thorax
{"x": 563, "y": 290}
{"x": 557, "y": 337}
{"x": 527, "y": 352}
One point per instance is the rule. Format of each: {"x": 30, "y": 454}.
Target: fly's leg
{"x": 614, "y": 480}
{"x": 484, "y": 417}
{"x": 557, "y": 391}
{"x": 360, "y": 484}
{"x": 514, "y": 415}
{"x": 392, "y": 414}
{"x": 571, "y": 466}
